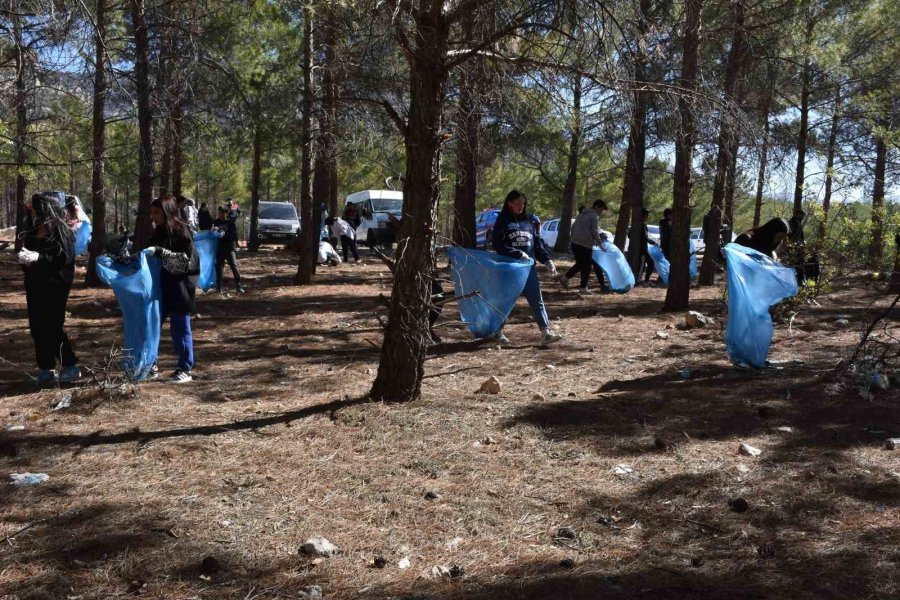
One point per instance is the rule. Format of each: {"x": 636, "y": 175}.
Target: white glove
{"x": 551, "y": 267}
{"x": 27, "y": 257}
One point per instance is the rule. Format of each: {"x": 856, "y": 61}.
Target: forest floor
{"x": 601, "y": 470}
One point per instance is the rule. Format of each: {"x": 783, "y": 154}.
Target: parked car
{"x": 375, "y": 209}
{"x": 484, "y": 225}
{"x": 697, "y": 236}
{"x": 278, "y": 222}
{"x": 550, "y": 232}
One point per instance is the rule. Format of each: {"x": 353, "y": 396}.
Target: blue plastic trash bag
{"x": 498, "y": 280}
{"x": 206, "y": 243}
{"x": 616, "y": 268}
{"x": 755, "y": 282}
{"x": 660, "y": 262}
{"x": 83, "y": 237}
{"x": 137, "y": 289}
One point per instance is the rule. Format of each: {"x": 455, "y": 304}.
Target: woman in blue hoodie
{"x": 516, "y": 236}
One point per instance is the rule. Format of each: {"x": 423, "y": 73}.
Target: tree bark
{"x": 401, "y": 366}
{"x": 829, "y": 159}
{"x": 255, "y": 175}
{"x": 21, "y": 139}
{"x": 678, "y": 292}
{"x": 177, "y": 151}
{"x": 465, "y": 191}
{"x": 567, "y": 206}
{"x": 803, "y": 136}
{"x": 98, "y": 188}
{"x": 727, "y": 145}
{"x": 309, "y": 229}
{"x": 763, "y": 160}
{"x": 143, "y": 226}
{"x": 876, "y": 249}
{"x": 328, "y": 124}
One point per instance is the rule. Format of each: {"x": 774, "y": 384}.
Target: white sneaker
{"x": 584, "y": 292}
{"x": 180, "y": 376}
{"x": 564, "y": 281}
{"x": 549, "y": 337}
{"x": 498, "y": 336}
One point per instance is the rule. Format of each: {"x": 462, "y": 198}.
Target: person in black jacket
{"x": 48, "y": 261}
{"x": 665, "y": 233}
{"x": 173, "y": 243}
{"x": 765, "y": 238}
{"x": 516, "y": 235}
{"x": 204, "y": 217}
{"x": 226, "y": 249}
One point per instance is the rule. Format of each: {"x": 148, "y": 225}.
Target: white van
{"x": 374, "y": 206}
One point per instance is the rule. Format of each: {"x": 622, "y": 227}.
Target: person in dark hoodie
{"x": 516, "y": 236}
{"x": 765, "y": 238}
{"x": 665, "y": 233}
{"x": 225, "y": 252}
{"x": 204, "y": 217}
{"x": 173, "y": 243}
{"x": 48, "y": 261}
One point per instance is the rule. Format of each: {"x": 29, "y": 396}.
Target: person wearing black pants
{"x": 584, "y": 236}
{"x": 225, "y": 250}
{"x": 48, "y": 260}
{"x": 344, "y": 231}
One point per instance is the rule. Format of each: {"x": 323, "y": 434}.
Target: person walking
{"x": 173, "y": 244}
{"x": 584, "y": 236}
{"x": 342, "y": 230}
{"x": 516, "y": 236}
{"x": 48, "y": 262}
{"x": 226, "y": 249}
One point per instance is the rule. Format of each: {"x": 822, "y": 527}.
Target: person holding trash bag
{"x": 765, "y": 238}
{"x": 344, "y": 231}
{"x": 226, "y": 249}
{"x": 584, "y": 236}
{"x": 173, "y": 244}
{"x": 48, "y": 262}
{"x": 516, "y": 236}
{"x": 204, "y": 217}
{"x": 665, "y": 233}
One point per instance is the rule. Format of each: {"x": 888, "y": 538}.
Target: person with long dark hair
{"x": 173, "y": 244}
{"x": 765, "y": 238}
{"x": 515, "y": 235}
{"x": 48, "y": 261}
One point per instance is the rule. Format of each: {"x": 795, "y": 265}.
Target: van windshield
{"x": 278, "y": 212}
{"x": 385, "y": 205}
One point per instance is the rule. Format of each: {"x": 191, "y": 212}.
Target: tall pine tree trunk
{"x": 678, "y": 293}
{"x": 829, "y": 159}
{"x": 877, "y": 247}
{"x": 567, "y": 206}
{"x": 98, "y": 155}
{"x": 763, "y": 161}
{"x": 803, "y": 136}
{"x": 143, "y": 226}
{"x": 406, "y": 338}
{"x": 465, "y": 190}
{"x": 328, "y": 125}
{"x": 255, "y": 181}
{"x": 21, "y": 139}
{"x": 309, "y": 230}
{"x": 727, "y": 145}
{"x": 177, "y": 151}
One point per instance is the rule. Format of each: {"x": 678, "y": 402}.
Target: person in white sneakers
{"x": 515, "y": 235}
{"x": 586, "y": 234}
{"x": 342, "y": 230}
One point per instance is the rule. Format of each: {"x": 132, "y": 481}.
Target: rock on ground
{"x": 491, "y": 386}
{"x": 318, "y": 546}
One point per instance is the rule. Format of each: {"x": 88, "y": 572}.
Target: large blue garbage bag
{"x": 661, "y": 263}
{"x": 497, "y": 279}
{"x": 83, "y": 237}
{"x": 138, "y": 291}
{"x": 755, "y": 282}
{"x": 616, "y": 268}
{"x": 206, "y": 243}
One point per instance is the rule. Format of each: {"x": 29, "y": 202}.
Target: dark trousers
{"x": 348, "y": 244}
{"x": 182, "y": 337}
{"x": 648, "y": 267}
{"x": 584, "y": 261}
{"x": 46, "y": 317}
{"x": 231, "y": 258}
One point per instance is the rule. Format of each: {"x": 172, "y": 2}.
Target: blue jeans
{"x": 532, "y": 293}
{"x": 182, "y": 338}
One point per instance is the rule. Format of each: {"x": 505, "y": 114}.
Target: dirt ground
{"x": 207, "y": 490}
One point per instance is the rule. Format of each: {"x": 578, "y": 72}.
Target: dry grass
{"x": 272, "y": 445}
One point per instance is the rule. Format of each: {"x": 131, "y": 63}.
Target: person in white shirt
{"x": 328, "y": 255}
{"x": 342, "y": 230}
